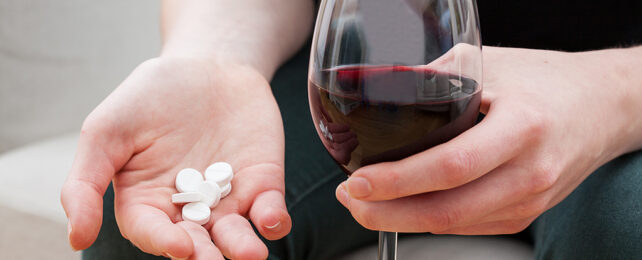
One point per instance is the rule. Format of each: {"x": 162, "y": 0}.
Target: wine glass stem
{"x": 387, "y": 246}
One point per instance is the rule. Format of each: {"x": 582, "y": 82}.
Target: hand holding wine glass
{"x": 376, "y": 73}
{"x": 550, "y": 122}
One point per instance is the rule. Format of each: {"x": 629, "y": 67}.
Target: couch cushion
{"x": 33, "y": 223}
{"x": 32, "y": 176}
{"x": 27, "y": 237}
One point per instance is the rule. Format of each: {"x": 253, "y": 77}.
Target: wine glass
{"x": 391, "y": 78}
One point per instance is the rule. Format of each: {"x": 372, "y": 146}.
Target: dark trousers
{"x": 601, "y": 219}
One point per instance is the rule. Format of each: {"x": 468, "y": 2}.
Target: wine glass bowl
{"x": 392, "y": 78}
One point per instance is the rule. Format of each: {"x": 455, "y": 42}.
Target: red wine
{"x": 372, "y": 114}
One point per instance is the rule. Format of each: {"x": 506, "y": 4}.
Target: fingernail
{"x": 359, "y": 187}
{"x": 278, "y": 223}
{"x": 342, "y": 195}
{"x": 68, "y": 228}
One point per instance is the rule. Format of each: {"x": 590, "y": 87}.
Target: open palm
{"x": 174, "y": 114}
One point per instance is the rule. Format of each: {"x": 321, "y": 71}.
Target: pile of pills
{"x": 200, "y": 194}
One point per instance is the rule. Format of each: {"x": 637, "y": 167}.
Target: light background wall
{"x": 59, "y": 59}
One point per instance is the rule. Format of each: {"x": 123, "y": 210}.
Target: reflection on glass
{"x": 391, "y": 78}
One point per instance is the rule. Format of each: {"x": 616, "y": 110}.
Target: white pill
{"x": 226, "y": 190}
{"x": 210, "y": 193}
{"x": 197, "y": 212}
{"x": 186, "y": 197}
{"x": 221, "y": 173}
{"x": 188, "y": 179}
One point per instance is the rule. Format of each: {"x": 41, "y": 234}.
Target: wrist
{"x": 617, "y": 76}
{"x": 212, "y": 66}
{"x": 220, "y": 60}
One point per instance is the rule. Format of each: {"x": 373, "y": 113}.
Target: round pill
{"x": 221, "y": 173}
{"x": 210, "y": 193}
{"x": 186, "y": 197}
{"x": 188, "y": 179}
{"x": 226, "y": 190}
{"x": 197, "y": 212}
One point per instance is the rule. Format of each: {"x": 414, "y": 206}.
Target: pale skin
{"x": 552, "y": 118}
{"x": 206, "y": 98}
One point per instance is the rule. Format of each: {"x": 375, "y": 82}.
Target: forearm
{"x": 619, "y": 72}
{"x": 257, "y": 33}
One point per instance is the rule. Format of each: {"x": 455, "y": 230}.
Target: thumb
{"x": 99, "y": 155}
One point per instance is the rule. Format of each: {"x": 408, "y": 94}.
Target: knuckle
{"x": 441, "y": 220}
{"x": 91, "y": 123}
{"x": 530, "y": 209}
{"x": 366, "y": 217}
{"x": 536, "y": 124}
{"x": 544, "y": 176}
{"x": 100, "y": 126}
{"x": 94, "y": 126}
{"x": 458, "y": 47}
{"x": 457, "y": 166}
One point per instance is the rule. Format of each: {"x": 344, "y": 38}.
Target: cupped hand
{"x": 551, "y": 119}
{"x": 174, "y": 113}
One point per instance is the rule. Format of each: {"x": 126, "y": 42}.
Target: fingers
{"x": 235, "y": 237}
{"x": 499, "y": 137}
{"x": 450, "y": 62}
{"x": 514, "y": 191}
{"x": 492, "y": 228}
{"x": 270, "y": 215}
{"x": 204, "y": 248}
{"x": 530, "y": 207}
{"x": 151, "y": 230}
{"x": 258, "y": 192}
{"x": 98, "y": 157}
{"x": 442, "y": 210}
{"x": 247, "y": 184}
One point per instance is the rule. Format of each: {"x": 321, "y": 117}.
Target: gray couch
{"x": 58, "y": 59}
